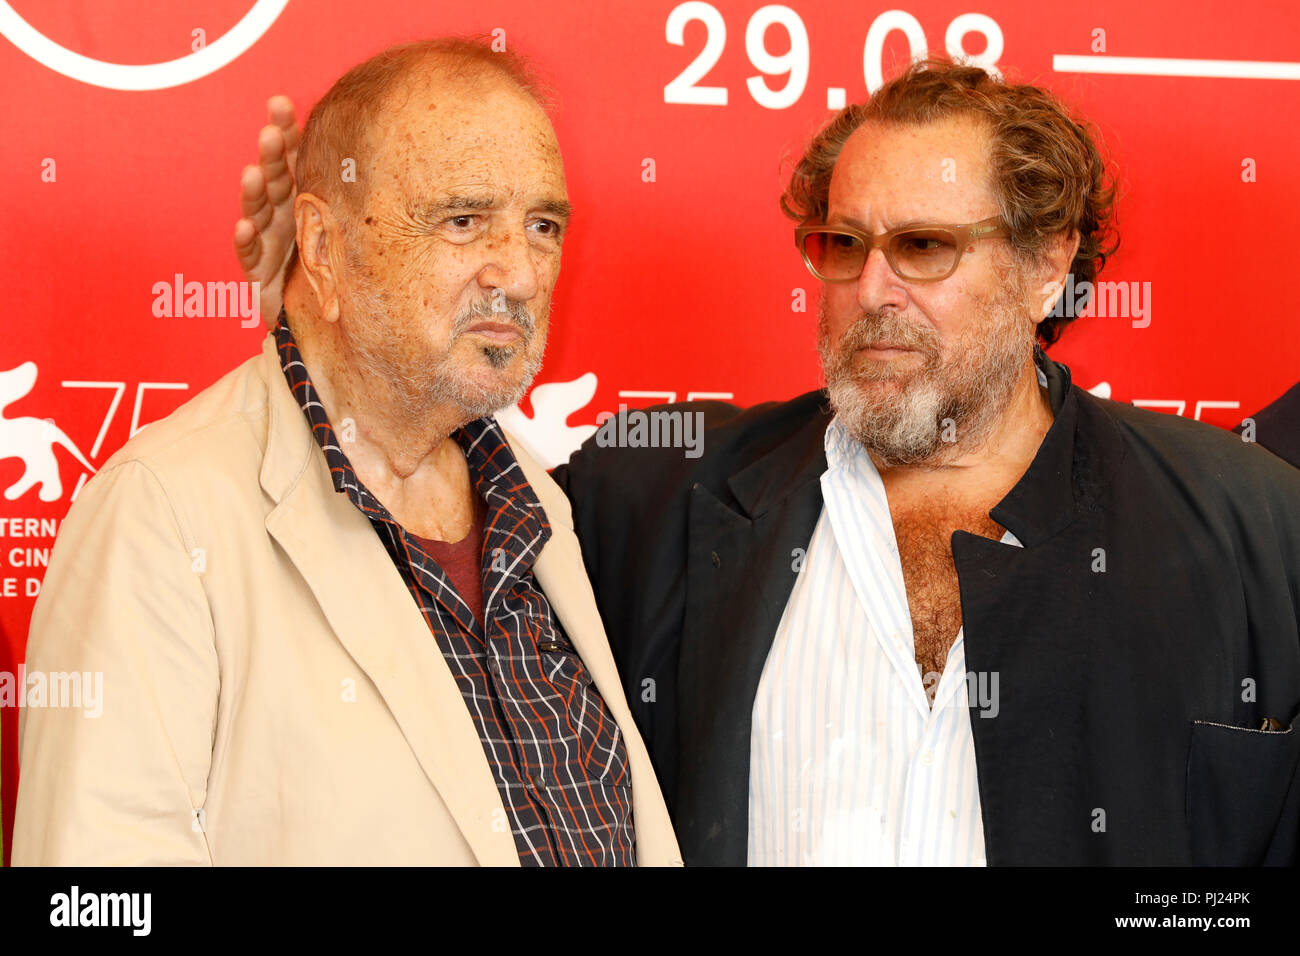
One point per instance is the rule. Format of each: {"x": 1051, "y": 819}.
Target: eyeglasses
{"x": 925, "y": 253}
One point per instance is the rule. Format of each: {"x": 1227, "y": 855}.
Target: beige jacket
{"x": 271, "y": 693}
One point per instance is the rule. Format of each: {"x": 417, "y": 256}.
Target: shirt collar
{"x": 493, "y": 467}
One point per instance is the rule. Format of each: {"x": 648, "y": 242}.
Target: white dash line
{"x": 1169, "y": 66}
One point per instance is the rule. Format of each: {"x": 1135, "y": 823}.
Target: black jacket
{"x": 1138, "y": 691}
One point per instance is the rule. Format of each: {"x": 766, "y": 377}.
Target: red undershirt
{"x": 462, "y": 561}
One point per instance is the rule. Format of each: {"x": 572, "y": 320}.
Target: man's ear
{"x": 320, "y": 251}
{"x": 1049, "y": 274}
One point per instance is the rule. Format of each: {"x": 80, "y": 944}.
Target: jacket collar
{"x": 290, "y": 445}
{"x": 771, "y": 479}
{"x": 1072, "y": 467}
{"x": 362, "y": 595}
{"x": 1042, "y": 501}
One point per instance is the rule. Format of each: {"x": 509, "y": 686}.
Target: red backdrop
{"x": 680, "y": 275}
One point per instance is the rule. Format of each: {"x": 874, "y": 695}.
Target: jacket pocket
{"x": 1243, "y": 796}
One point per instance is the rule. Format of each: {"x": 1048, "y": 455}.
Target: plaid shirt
{"x": 557, "y": 755}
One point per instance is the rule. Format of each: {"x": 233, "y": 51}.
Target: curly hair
{"x": 1047, "y": 171}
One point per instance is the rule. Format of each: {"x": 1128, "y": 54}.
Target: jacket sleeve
{"x": 119, "y": 776}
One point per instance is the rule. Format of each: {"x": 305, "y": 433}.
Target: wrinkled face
{"x": 912, "y": 368}
{"x": 451, "y": 265}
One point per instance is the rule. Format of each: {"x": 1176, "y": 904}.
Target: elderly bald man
{"x": 341, "y": 617}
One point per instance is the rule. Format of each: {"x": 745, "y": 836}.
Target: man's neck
{"x": 412, "y": 465}
{"x": 991, "y": 466}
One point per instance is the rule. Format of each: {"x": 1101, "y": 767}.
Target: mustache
{"x": 515, "y": 311}
{"x": 889, "y": 327}
{"x": 838, "y": 362}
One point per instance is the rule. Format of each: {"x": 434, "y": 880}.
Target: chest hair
{"x": 924, "y": 536}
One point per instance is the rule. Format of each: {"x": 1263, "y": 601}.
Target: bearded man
{"x": 969, "y": 614}
{"x": 341, "y": 617}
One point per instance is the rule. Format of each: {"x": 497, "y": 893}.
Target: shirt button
{"x": 539, "y": 785}
{"x": 717, "y": 561}
{"x": 927, "y": 758}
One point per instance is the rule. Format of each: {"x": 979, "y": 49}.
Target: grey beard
{"x": 944, "y": 408}
{"x": 418, "y": 386}
{"x": 479, "y": 402}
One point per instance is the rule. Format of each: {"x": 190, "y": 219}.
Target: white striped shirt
{"x": 849, "y": 764}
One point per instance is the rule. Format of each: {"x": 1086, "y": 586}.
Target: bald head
{"x": 340, "y": 126}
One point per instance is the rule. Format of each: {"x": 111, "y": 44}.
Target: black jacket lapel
{"x": 744, "y": 541}
{"x": 1037, "y": 810}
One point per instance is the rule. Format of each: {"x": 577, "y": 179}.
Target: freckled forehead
{"x": 890, "y": 173}
{"x": 482, "y": 131}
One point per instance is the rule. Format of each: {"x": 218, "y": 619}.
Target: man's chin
{"x": 873, "y": 389}
{"x": 502, "y": 357}
{"x": 890, "y": 363}
{"x": 490, "y": 390}
{"x": 480, "y": 403}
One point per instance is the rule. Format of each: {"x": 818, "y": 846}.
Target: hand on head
{"x": 264, "y": 237}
